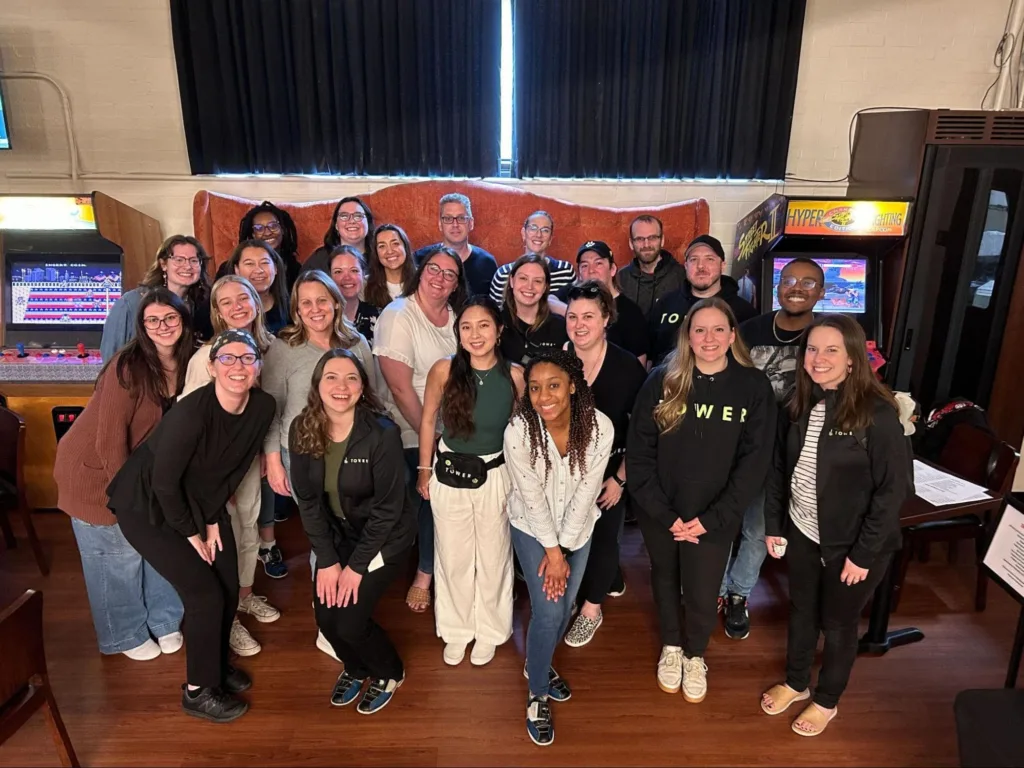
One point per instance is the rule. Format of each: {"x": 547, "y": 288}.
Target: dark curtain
{"x": 655, "y": 88}
{"x": 389, "y": 87}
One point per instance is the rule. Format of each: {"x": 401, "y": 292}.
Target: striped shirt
{"x": 803, "y": 497}
{"x": 562, "y": 273}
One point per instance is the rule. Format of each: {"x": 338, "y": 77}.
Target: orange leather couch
{"x": 498, "y": 213}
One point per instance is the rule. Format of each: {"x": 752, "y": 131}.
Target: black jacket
{"x": 670, "y": 310}
{"x": 380, "y": 515}
{"x": 862, "y": 482}
{"x": 645, "y": 289}
{"x": 713, "y": 464}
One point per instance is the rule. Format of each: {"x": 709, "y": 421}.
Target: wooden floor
{"x": 898, "y": 709}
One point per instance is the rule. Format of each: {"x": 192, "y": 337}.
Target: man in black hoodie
{"x": 703, "y": 262}
{"x": 654, "y": 272}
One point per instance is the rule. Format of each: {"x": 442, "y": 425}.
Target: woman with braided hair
{"x": 557, "y": 446}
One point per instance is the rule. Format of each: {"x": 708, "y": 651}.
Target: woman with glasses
{"x": 537, "y": 233}
{"x": 351, "y": 224}
{"x": 131, "y": 602}
{"x": 615, "y": 377}
{"x": 180, "y": 267}
{"x": 348, "y": 271}
{"x": 412, "y": 334}
{"x": 531, "y": 328}
{"x": 235, "y": 305}
{"x": 257, "y": 262}
{"x": 275, "y": 227}
{"x": 170, "y": 499}
{"x": 391, "y": 266}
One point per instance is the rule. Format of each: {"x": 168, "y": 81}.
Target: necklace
{"x": 481, "y": 379}
{"x": 775, "y": 332}
{"x": 590, "y": 372}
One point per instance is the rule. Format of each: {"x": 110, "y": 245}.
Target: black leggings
{"x": 209, "y": 593}
{"x": 698, "y": 569}
{"x": 820, "y": 603}
{"x": 603, "y": 562}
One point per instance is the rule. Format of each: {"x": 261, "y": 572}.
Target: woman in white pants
{"x": 235, "y": 304}
{"x": 474, "y": 390}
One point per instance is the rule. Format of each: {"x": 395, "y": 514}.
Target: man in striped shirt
{"x": 537, "y": 232}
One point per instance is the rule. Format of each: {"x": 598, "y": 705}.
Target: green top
{"x": 490, "y": 415}
{"x": 333, "y": 457}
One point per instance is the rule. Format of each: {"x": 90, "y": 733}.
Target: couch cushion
{"x": 498, "y": 212}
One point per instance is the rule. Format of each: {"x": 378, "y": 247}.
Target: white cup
{"x": 780, "y": 549}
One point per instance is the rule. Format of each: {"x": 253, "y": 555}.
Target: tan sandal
{"x": 782, "y": 697}
{"x": 819, "y": 720}
{"x": 418, "y": 599}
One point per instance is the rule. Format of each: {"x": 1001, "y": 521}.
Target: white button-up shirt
{"x": 560, "y": 509}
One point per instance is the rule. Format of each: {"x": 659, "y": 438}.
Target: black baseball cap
{"x": 711, "y": 242}
{"x": 600, "y": 247}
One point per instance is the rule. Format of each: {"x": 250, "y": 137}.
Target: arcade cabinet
{"x": 63, "y": 262}
{"x": 860, "y": 245}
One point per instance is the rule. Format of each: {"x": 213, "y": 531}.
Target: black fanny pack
{"x": 463, "y": 470}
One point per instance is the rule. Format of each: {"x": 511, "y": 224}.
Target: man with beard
{"x": 703, "y": 265}
{"x": 774, "y": 340}
{"x": 654, "y": 272}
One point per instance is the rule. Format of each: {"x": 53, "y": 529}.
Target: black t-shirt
{"x": 519, "y": 343}
{"x": 629, "y": 330}
{"x": 615, "y": 389}
{"x": 479, "y": 268}
{"x": 366, "y": 320}
{"x": 774, "y": 351}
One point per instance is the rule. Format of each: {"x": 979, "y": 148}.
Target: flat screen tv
{"x": 846, "y": 289}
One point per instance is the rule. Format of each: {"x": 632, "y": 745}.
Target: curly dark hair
{"x": 458, "y": 399}
{"x": 289, "y": 235}
{"x": 582, "y": 417}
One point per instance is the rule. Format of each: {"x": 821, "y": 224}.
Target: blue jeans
{"x": 267, "y": 501}
{"x": 426, "y": 514}
{"x": 548, "y": 620}
{"x": 741, "y": 575}
{"x": 130, "y": 601}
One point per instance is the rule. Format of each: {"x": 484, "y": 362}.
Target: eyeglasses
{"x": 449, "y": 275}
{"x": 272, "y": 228}
{"x": 249, "y": 358}
{"x": 169, "y": 321}
{"x": 453, "y": 219}
{"x": 533, "y": 229}
{"x": 356, "y": 217}
{"x": 181, "y": 261}
{"x": 807, "y": 283}
{"x": 648, "y": 239}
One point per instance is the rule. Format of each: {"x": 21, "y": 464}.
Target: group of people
{"x": 502, "y": 421}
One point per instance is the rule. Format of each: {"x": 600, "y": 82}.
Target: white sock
{"x": 268, "y": 544}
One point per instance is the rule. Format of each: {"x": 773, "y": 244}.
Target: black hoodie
{"x": 670, "y": 310}
{"x": 714, "y": 463}
{"x": 645, "y": 289}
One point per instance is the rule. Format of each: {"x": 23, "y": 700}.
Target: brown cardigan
{"x": 112, "y": 425}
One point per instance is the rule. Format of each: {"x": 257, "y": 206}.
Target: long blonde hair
{"x": 260, "y": 334}
{"x": 343, "y": 335}
{"x": 675, "y": 389}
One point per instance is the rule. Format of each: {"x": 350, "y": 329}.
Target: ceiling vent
{"x": 976, "y": 127}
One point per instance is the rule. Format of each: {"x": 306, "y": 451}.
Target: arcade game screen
{"x": 62, "y": 293}
{"x": 845, "y": 284}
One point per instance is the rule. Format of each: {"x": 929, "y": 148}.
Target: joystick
{"x": 81, "y": 350}
{"x": 21, "y": 350}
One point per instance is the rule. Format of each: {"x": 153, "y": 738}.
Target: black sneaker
{"x": 618, "y": 587}
{"x": 237, "y": 680}
{"x": 213, "y": 704}
{"x": 378, "y": 695}
{"x": 346, "y": 690}
{"x": 273, "y": 562}
{"x": 558, "y": 689}
{"x": 737, "y": 619}
{"x": 539, "y": 724}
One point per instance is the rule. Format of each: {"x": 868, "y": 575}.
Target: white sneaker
{"x": 258, "y": 608}
{"x": 695, "y": 681}
{"x": 242, "y": 642}
{"x": 670, "y": 668}
{"x": 324, "y": 645}
{"x": 482, "y": 653}
{"x": 171, "y": 643}
{"x": 454, "y": 653}
{"x": 145, "y": 652}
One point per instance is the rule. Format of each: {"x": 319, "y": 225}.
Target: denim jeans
{"x": 548, "y": 619}
{"x": 741, "y": 574}
{"x": 426, "y": 514}
{"x": 268, "y": 500}
{"x": 130, "y": 601}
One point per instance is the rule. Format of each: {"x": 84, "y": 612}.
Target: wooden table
{"x": 879, "y": 638}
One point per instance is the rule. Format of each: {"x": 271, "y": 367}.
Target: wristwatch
{"x": 620, "y": 481}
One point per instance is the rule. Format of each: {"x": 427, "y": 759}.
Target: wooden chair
{"x": 24, "y": 684}
{"x": 983, "y": 459}
{"x": 12, "y": 484}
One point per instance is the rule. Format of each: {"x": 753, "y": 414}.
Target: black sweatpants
{"x": 209, "y": 593}
{"x": 820, "y": 603}
{"x": 603, "y": 562}
{"x": 361, "y": 643}
{"x": 698, "y": 569}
